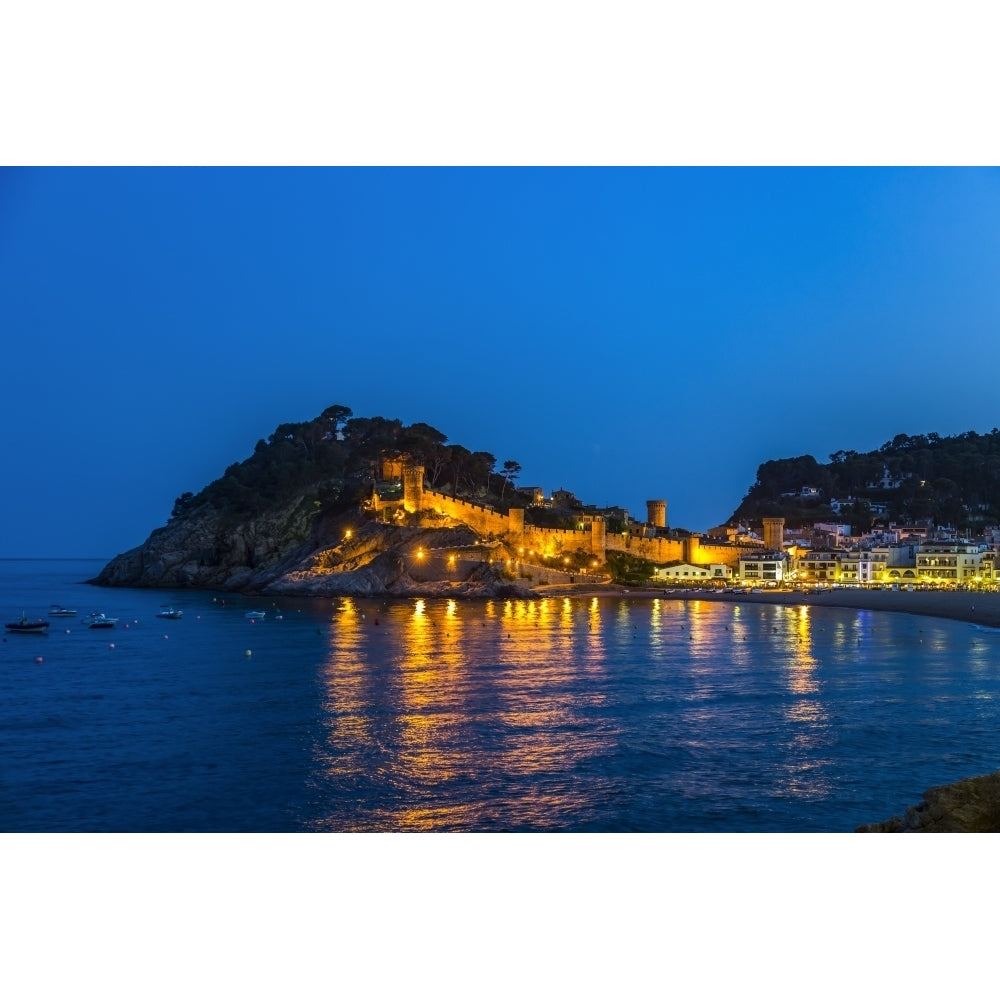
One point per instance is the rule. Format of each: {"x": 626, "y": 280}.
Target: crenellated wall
{"x": 695, "y": 549}
{"x": 485, "y": 520}
{"x": 556, "y": 541}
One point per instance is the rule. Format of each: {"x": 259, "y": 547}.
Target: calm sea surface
{"x": 579, "y": 714}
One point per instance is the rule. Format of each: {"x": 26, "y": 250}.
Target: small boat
{"x": 99, "y": 620}
{"x": 169, "y": 613}
{"x": 27, "y": 627}
{"x": 58, "y": 611}
{"x": 255, "y": 615}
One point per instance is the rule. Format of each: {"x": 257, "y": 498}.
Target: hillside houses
{"x": 908, "y": 556}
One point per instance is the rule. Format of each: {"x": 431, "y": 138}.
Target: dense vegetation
{"x": 336, "y": 458}
{"x": 629, "y": 570}
{"x": 947, "y": 480}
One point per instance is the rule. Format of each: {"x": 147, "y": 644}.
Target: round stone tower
{"x": 656, "y": 513}
{"x": 774, "y": 533}
{"x": 413, "y": 488}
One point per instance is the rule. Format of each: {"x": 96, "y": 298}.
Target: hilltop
{"x": 925, "y": 477}
{"x": 297, "y": 516}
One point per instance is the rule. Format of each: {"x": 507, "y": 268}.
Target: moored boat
{"x": 255, "y": 615}
{"x": 58, "y": 611}
{"x": 26, "y": 627}
{"x": 169, "y": 613}
{"x": 99, "y": 620}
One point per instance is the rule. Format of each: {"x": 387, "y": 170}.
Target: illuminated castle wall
{"x": 594, "y": 539}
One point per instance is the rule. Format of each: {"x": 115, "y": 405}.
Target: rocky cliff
{"x": 296, "y": 549}
{"x": 968, "y": 806}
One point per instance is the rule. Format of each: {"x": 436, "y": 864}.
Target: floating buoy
{"x": 38, "y": 659}
{"x": 166, "y": 637}
{"x": 248, "y": 653}
{"x": 111, "y": 645}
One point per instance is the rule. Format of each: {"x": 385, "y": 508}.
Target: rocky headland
{"x": 294, "y": 550}
{"x": 971, "y": 805}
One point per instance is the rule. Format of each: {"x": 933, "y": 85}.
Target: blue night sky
{"x": 624, "y": 333}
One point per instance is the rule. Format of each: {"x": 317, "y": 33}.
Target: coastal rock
{"x": 971, "y": 805}
{"x": 296, "y": 550}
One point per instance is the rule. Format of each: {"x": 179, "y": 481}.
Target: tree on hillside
{"x": 478, "y": 470}
{"x": 425, "y": 445}
{"x": 334, "y": 416}
{"x": 458, "y": 458}
{"x": 511, "y": 470}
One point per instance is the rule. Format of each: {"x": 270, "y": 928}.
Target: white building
{"x": 682, "y": 572}
{"x": 769, "y": 568}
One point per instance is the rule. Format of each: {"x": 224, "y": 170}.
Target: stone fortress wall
{"x": 594, "y": 538}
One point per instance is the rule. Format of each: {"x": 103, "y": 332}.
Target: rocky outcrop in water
{"x": 296, "y": 550}
{"x": 968, "y": 806}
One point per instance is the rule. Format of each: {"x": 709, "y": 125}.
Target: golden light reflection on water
{"x": 801, "y": 679}
{"x": 478, "y": 698}
{"x": 803, "y": 773}
{"x": 347, "y": 703}
{"x": 465, "y": 716}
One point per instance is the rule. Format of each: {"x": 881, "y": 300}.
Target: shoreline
{"x": 973, "y": 607}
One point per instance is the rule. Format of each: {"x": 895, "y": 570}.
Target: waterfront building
{"x": 816, "y": 566}
{"x": 764, "y": 567}
{"x": 861, "y": 567}
{"x": 951, "y": 563}
{"x": 682, "y": 572}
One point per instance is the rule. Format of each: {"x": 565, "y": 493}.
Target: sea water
{"x": 553, "y": 714}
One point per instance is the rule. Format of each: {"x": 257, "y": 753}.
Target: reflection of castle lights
{"x": 800, "y": 678}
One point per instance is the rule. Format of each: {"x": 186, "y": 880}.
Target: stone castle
{"x": 652, "y": 542}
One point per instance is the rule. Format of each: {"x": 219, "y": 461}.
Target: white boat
{"x": 169, "y": 613}
{"x": 99, "y": 620}
{"x": 58, "y": 611}
{"x": 255, "y": 615}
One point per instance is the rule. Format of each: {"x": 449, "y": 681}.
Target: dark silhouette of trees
{"x": 950, "y": 480}
{"x": 511, "y": 470}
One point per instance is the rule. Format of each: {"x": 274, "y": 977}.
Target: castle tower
{"x": 774, "y": 533}
{"x": 515, "y": 523}
{"x": 692, "y": 550}
{"x": 598, "y": 535}
{"x": 656, "y": 513}
{"x": 413, "y": 488}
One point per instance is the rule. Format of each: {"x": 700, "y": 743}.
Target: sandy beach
{"x": 978, "y": 608}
